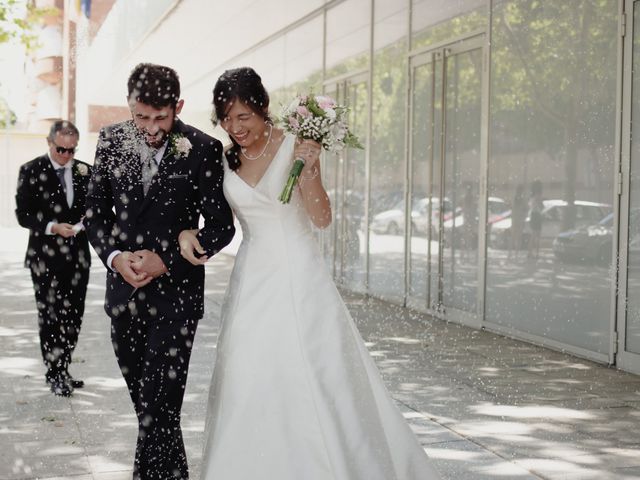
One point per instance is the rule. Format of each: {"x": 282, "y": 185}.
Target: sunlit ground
{"x": 505, "y": 409}
{"x": 484, "y": 407}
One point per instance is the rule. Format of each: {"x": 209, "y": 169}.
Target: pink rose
{"x": 294, "y": 122}
{"x": 325, "y": 102}
{"x": 303, "y": 111}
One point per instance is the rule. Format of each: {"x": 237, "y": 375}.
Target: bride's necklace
{"x": 264, "y": 149}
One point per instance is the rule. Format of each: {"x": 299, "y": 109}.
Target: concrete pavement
{"x": 483, "y": 406}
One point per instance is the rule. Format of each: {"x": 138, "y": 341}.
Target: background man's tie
{"x": 60, "y": 173}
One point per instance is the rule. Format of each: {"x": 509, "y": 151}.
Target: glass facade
{"x": 631, "y": 327}
{"x": 389, "y": 104}
{"x": 488, "y": 190}
{"x": 553, "y": 84}
{"x": 436, "y": 21}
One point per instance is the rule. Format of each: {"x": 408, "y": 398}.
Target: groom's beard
{"x": 155, "y": 141}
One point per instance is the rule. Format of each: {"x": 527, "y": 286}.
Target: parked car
{"x": 587, "y": 213}
{"x": 387, "y": 200}
{"x": 594, "y": 243}
{"x": 453, "y": 226}
{"x": 351, "y": 202}
{"x": 392, "y": 221}
{"x": 586, "y": 244}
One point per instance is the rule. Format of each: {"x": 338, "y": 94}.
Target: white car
{"x": 587, "y": 213}
{"x": 391, "y": 221}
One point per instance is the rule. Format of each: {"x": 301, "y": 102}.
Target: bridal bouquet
{"x": 319, "y": 118}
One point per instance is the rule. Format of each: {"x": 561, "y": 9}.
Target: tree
{"x": 17, "y": 21}
{"x": 554, "y": 66}
{"x": 7, "y": 117}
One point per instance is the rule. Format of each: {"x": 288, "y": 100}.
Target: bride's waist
{"x": 275, "y": 255}
{"x": 275, "y": 231}
{"x": 277, "y": 240}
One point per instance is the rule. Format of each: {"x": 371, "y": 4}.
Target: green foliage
{"x": 17, "y": 22}
{"x": 388, "y": 125}
{"x": 554, "y": 73}
{"x": 555, "y": 61}
{"x": 457, "y": 27}
{"x": 7, "y": 117}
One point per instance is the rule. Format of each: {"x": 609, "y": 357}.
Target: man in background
{"x": 50, "y": 202}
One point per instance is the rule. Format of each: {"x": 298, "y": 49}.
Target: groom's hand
{"x": 149, "y": 263}
{"x": 123, "y": 264}
{"x": 63, "y": 229}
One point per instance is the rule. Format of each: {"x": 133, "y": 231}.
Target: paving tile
{"x": 123, "y": 475}
{"x": 463, "y": 460}
{"x": 483, "y": 406}
{"x": 17, "y": 467}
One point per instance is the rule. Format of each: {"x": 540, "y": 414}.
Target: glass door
{"x": 345, "y": 174}
{"x": 628, "y": 312}
{"x": 446, "y": 207}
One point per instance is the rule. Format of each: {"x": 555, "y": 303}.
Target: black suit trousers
{"x": 60, "y": 297}
{"x": 153, "y": 355}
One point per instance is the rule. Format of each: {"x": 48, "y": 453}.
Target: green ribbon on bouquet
{"x": 294, "y": 174}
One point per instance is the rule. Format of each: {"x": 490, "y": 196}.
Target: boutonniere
{"x": 82, "y": 169}
{"x": 179, "y": 145}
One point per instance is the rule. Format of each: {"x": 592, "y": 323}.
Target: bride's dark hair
{"x": 245, "y": 85}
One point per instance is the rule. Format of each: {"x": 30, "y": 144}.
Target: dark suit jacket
{"x": 120, "y": 217}
{"x": 40, "y": 200}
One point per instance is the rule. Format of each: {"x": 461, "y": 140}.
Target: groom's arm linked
{"x": 115, "y": 202}
{"x": 210, "y": 202}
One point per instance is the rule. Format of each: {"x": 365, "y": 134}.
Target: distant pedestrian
{"x": 518, "y": 216}
{"x": 535, "y": 219}
{"x": 50, "y": 202}
{"x": 470, "y": 220}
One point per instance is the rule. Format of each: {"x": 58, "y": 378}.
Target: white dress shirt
{"x": 158, "y": 158}
{"x": 68, "y": 180}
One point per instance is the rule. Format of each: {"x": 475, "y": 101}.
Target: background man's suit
{"x": 153, "y": 327}
{"x": 59, "y": 266}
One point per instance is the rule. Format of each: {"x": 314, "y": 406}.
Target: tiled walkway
{"x": 483, "y": 406}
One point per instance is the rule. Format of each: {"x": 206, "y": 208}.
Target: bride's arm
{"x": 314, "y": 197}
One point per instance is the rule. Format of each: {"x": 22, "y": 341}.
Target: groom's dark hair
{"x": 154, "y": 85}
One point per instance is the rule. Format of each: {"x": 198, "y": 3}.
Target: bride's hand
{"x": 309, "y": 151}
{"x": 188, "y": 245}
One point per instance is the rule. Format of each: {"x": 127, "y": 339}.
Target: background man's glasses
{"x": 63, "y": 150}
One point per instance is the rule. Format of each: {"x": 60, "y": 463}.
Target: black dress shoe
{"x": 61, "y": 388}
{"x": 73, "y": 382}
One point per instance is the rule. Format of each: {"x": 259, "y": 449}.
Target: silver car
{"x": 391, "y": 222}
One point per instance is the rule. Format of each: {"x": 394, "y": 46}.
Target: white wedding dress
{"x": 295, "y": 394}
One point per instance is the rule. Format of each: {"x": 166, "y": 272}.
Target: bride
{"x": 295, "y": 394}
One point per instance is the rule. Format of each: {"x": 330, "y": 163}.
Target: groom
{"x": 154, "y": 176}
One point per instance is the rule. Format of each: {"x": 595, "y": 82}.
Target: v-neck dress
{"x": 295, "y": 394}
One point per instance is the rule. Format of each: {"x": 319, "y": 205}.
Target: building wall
{"x": 15, "y": 149}
{"x": 460, "y": 104}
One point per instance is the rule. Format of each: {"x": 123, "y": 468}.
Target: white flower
{"x": 181, "y": 146}
{"x": 82, "y": 169}
{"x": 338, "y": 131}
{"x": 293, "y": 105}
